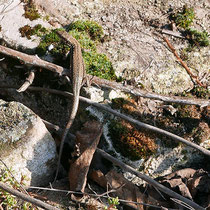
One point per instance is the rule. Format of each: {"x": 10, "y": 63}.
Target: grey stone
{"x": 26, "y": 146}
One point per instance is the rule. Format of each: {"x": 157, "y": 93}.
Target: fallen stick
{"x": 29, "y": 80}
{"x": 182, "y": 62}
{"x": 103, "y": 195}
{"x": 33, "y": 60}
{"x": 26, "y": 197}
{"x": 127, "y": 118}
{"x": 142, "y": 93}
{"x": 36, "y": 61}
{"x": 149, "y": 180}
{"x": 173, "y": 33}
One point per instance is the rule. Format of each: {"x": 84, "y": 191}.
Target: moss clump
{"x": 92, "y": 28}
{"x": 84, "y": 40}
{"x": 197, "y": 38}
{"x": 131, "y": 142}
{"x": 39, "y": 30}
{"x": 184, "y": 18}
{"x": 28, "y": 31}
{"x": 200, "y": 92}
{"x": 25, "y": 31}
{"x": 59, "y": 47}
{"x": 118, "y": 103}
{"x": 96, "y": 64}
{"x": 30, "y": 10}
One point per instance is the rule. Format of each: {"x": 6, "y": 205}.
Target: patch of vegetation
{"x": 92, "y": 28}
{"x": 184, "y": 18}
{"x": 7, "y": 200}
{"x": 28, "y": 31}
{"x": 0, "y": 28}
{"x": 59, "y": 50}
{"x": 118, "y": 103}
{"x": 200, "y": 92}
{"x": 96, "y": 64}
{"x": 84, "y": 39}
{"x": 131, "y": 142}
{"x": 30, "y": 10}
{"x": 197, "y": 38}
{"x": 113, "y": 203}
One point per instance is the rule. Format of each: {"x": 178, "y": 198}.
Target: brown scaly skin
{"x": 77, "y": 74}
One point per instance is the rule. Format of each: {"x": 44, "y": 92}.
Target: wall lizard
{"x": 77, "y": 74}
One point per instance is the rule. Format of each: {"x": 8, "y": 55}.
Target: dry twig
{"x": 173, "y": 33}
{"x": 29, "y": 80}
{"x": 26, "y": 197}
{"x": 149, "y": 180}
{"x": 142, "y": 93}
{"x": 125, "y": 117}
{"x": 93, "y": 195}
{"x": 33, "y": 60}
{"x": 182, "y": 62}
{"x": 36, "y": 61}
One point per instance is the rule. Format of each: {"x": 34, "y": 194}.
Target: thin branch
{"x": 36, "y": 61}
{"x": 93, "y": 195}
{"x": 29, "y": 80}
{"x": 129, "y": 119}
{"x": 33, "y": 60}
{"x": 182, "y": 204}
{"x": 182, "y": 62}
{"x": 149, "y": 180}
{"x": 173, "y": 33}
{"x": 26, "y": 197}
{"x": 145, "y": 94}
{"x": 125, "y": 117}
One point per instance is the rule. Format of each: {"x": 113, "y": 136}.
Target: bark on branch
{"x": 148, "y": 180}
{"x": 142, "y": 93}
{"x": 36, "y": 61}
{"x": 127, "y": 118}
{"x": 182, "y": 62}
{"x": 33, "y": 60}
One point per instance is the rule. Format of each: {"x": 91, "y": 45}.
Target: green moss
{"x": 84, "y": 40}
{"x": 92, "y": 28}
{"x": 184, "y": 18}
{"x": 30, "y": 10}
{"x": 96, "y": 64}
{"x": 200, "y": 92}
{"x": 59, "y": 50}
{"x": 39, "y": 30}
{"x": 28, "y": 31}
{"x": 197, "y": 38}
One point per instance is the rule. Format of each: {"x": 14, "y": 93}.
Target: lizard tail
{"x": 68, "y": 126}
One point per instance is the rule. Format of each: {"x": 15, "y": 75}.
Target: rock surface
{"x": 137, "y": 54}
{"x": 26, "y": 146}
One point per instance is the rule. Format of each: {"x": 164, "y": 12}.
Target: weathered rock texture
{"x": 26, "y": 146}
